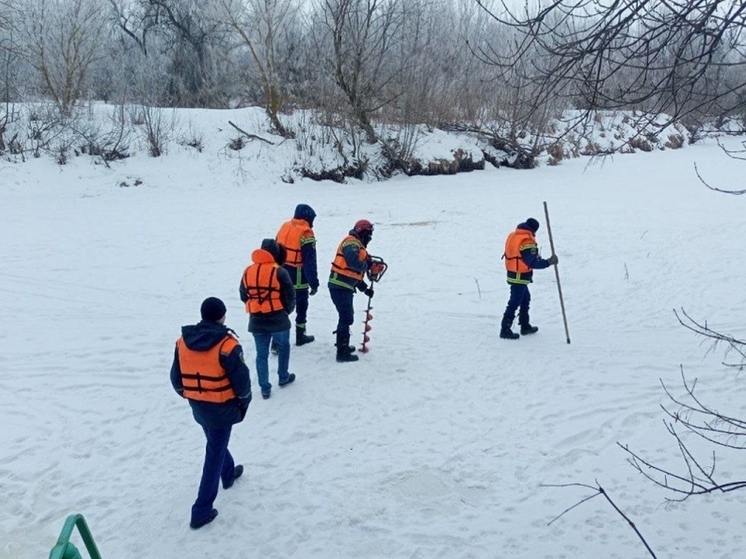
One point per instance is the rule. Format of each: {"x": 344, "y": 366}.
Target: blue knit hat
{"x": 532, "y": 224}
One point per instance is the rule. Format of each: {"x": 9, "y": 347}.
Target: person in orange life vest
{"x": 298, "y": 239}
{"x": 209, "y": 371}
{"x": 521, "y": 258}
{"x": 348, "y": 269}
{"x": 269, "y": 295}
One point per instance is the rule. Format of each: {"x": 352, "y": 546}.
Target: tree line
{"x": 466, "y": 64}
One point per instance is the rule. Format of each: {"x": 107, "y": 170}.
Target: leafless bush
{"x": 193, "y": 138}
{"x": 237, "y": 143}
{"x": 157, "y": 127}
{"x": 110, "y": 143}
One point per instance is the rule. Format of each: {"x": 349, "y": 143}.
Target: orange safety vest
{"x": 293, "y": 235}
{"x": 261, "y": 284}
{"x": 518, "y": 240}
{"x": 202, "y": 375}
{"x": 340, "y": 266}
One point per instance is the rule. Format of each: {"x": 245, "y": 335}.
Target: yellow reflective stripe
{"x": 306, "y": 240}
{"x": 298, "y": 283}
{"x": 333, "y": 280}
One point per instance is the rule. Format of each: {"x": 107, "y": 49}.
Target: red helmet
{"x": 363, "y": 226}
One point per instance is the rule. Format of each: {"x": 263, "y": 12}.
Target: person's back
{"x": 209, "y": 371}
{"x": 268, "y": 293}
{"x": 298, "y": 239}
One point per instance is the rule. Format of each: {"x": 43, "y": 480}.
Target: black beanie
{"x": 272, "y": 247}
{"x": 212, "y": 309}
{"x": 532, "y": 224}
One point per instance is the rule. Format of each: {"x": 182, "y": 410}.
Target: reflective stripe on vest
{"x": 293, "y": 235}
{"x": 340, "y": 266}
{"x": 202, "y": 375}
{"x": 262, "y": 288}
{"x": 518, "y": 240}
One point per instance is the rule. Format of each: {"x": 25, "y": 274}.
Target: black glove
{"x": 368, "y": 291}
{"x": 553, "y": 260}
{"x": 313, "y": 291}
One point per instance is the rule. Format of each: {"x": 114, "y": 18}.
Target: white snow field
{"x": 439, "y": 443}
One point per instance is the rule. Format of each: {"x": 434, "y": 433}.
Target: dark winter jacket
{"x": 307, "y": 274}
{"x": 277, "y": 321}
{"x": 202, "y": 337}
{"x": 350, "y": 250}
{"x": 530, "y": 256}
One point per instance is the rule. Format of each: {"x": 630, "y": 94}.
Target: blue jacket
{"x": 351, "y": 253}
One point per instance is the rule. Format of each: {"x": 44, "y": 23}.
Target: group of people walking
{"x": 209, "y": 369}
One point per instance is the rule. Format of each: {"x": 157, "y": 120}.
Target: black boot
{"x": 525, "y": 323}
{"x": 344, "y": 351}
{"x": 505, "y": 328}
{"x": 300, "y": 335}
{"x": 352, "y": 347}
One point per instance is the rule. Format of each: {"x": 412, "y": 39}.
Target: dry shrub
{"x": 640, "y": 143}
{"x": 556, "y": 154}
{"x": 675, "y": 141}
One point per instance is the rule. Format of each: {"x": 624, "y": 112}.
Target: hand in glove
{"x": 368, "y": 291}
{"x": 553, "y": 260}
{"x": 313, "y": 291}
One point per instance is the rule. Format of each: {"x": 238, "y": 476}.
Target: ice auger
{"x": 376, "y": 269}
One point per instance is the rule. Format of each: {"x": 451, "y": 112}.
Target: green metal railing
{"x": 65, "y": 549}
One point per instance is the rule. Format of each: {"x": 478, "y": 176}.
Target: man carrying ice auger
{"x": 521, "y": 258}
{"x": 348, "y": 269}
{"x": 299, "y": 241}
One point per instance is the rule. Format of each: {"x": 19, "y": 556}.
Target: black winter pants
{"x": 301, "y": 306}
{"x": 342, "y": 299}
{"x": 520, "y": 299}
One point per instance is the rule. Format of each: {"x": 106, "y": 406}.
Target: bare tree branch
{"x": 601, "y": 491}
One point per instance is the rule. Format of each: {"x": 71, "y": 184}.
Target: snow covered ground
{"x": 439, "y": 442}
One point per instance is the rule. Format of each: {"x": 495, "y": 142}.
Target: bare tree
{"x": 359, "y": 36}
{"x": 260, "y": 24}
{"x": 190, "y": 34}
{"x": 133, "y": 19}
{"x": 8, "y": 55}
{"x": 63, "y": 41}
{"x": 683, "y": 58}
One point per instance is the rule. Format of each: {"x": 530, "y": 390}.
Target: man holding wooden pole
{"x": 521, "y": 259}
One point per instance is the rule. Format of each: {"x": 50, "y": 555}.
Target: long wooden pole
{"x": 556, "y": 273}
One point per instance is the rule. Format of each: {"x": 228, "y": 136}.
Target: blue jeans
{"x": 218, "y": 464}
{"x": 262, "y": 341}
